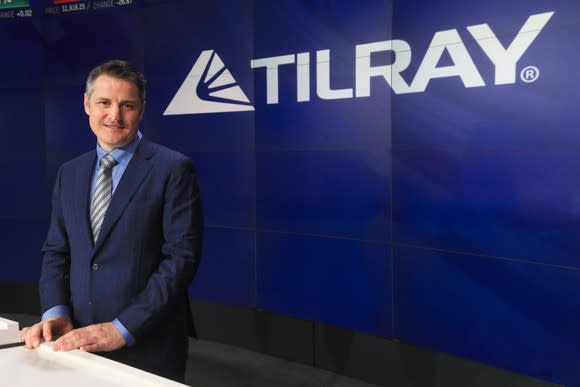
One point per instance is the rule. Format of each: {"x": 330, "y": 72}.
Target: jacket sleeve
{"x": 182, "y": 228}
{"x": 54, "y": 280}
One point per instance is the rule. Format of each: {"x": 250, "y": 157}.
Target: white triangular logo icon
{"x": 208, "y": 88}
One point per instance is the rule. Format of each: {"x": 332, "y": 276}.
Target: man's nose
{"x": 114, "y": 112}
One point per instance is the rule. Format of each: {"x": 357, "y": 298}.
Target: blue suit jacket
{"x": 146, "y": 255}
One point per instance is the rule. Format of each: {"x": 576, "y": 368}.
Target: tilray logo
{"x": 209, "y": 88}
{"x": 196, "y": 96}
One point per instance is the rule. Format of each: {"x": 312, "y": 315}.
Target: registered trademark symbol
{"x": 530, "y": 74}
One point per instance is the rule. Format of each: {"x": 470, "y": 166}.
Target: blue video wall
{"x": 405, "y": 169}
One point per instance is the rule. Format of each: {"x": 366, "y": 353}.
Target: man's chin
{"x": 109, "y": 145}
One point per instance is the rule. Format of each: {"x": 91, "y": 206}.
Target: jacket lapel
{"x": 81, "y": 195}
{"x": 136, "y": 171}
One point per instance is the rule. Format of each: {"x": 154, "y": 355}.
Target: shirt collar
{"x": 122, "y": 155}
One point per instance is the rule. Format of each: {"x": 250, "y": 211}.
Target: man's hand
{"x": 93, "y": 338}
{"x": 44, "y": 331}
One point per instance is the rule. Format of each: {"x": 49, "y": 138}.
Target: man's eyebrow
{"x": 123, "y": 101}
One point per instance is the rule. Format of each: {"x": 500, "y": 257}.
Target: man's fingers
{"x": 34, "y": 336}
{"x": 23, "y": 334}
{"x": 92, "y": 338}
{"x": 90, "y": 348}
{"x": 67, "y": 342}
{"x": 74, "y": 339}
{"x": 47, "y": 331}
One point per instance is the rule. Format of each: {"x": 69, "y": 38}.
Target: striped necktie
{"x": 103, "y": 193}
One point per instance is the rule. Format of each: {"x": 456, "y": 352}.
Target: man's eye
{"x": 129, "y": 106}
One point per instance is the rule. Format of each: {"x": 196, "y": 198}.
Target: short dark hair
{"x": 118, "y": 69}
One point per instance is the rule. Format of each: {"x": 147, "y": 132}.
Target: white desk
{"x": 9, "y": 332}
{"x": 42, "y": 367}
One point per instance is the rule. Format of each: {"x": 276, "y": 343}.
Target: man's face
{"x": 114, "y": 111}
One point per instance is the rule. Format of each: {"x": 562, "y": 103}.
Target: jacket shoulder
{"x": 82, "y": 160}
{"x": 158, "y": 153}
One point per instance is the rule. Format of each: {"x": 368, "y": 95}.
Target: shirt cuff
{"x": 56, "y": 311}
{"x": 129, "y": 339}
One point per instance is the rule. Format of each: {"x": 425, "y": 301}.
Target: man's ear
{"x": 87, "y": 106}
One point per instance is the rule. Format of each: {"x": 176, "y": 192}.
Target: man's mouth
{"x": 114, "y": 126}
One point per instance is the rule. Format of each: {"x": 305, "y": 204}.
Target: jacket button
{"x": 95, "y": 266}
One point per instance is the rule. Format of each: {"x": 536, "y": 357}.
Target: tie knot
{"x": 108, "y": 161}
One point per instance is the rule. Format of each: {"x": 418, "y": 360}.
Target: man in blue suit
{"x": 121, "y": 250}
